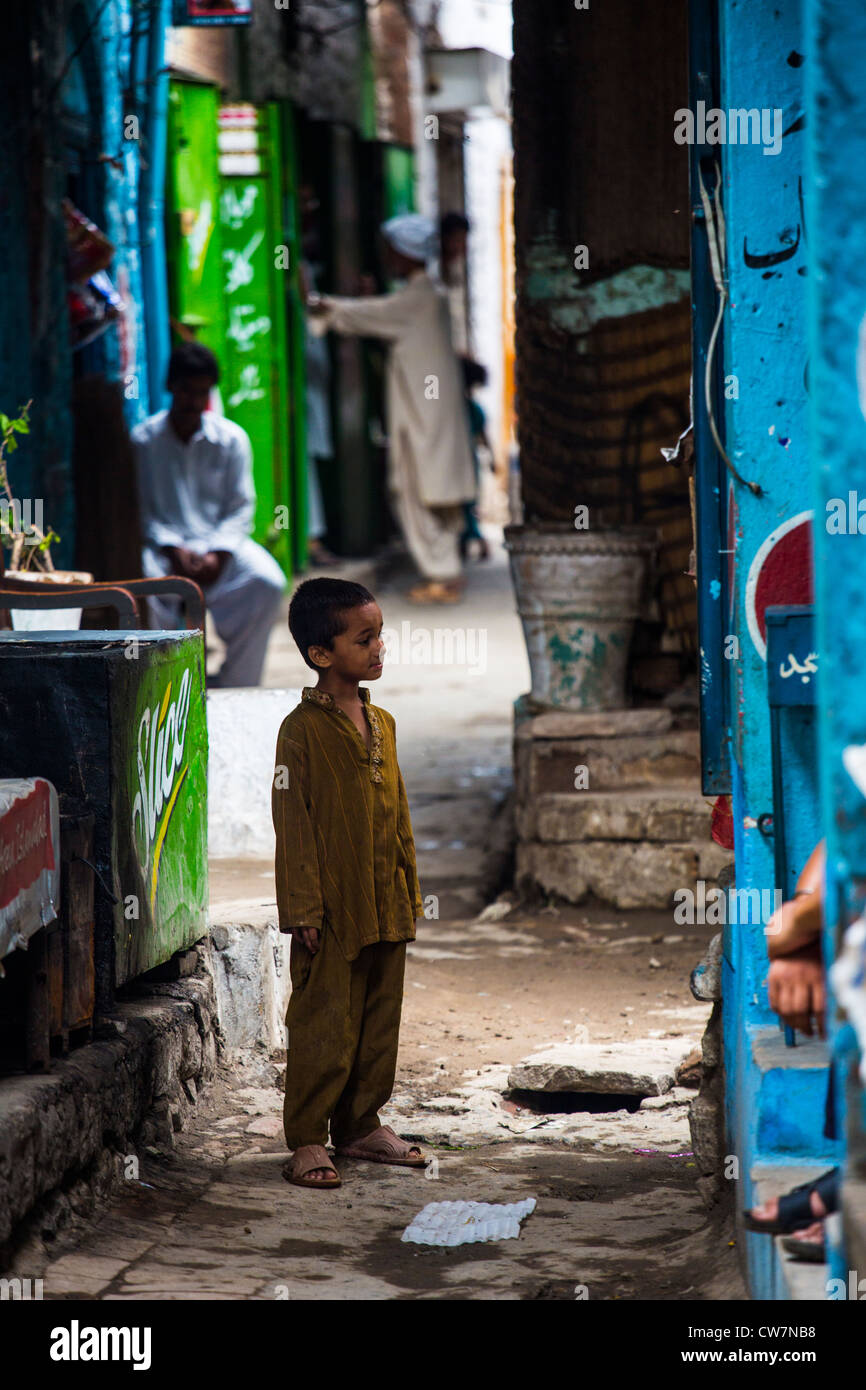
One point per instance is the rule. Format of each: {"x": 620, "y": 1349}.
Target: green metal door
{"x": 255, "y": 260}
{"x": 192, "y": 200}
{"x": 296, "y": 332}
{"x": 399, "y": 180}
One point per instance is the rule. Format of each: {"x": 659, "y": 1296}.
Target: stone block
{"x": 627, "y": 874}
{"x": 643, "y": 1067}
{"x": 657, "y": 815}
{"x": 251, "y": 979}
{"x": 614, "y": 723}
{"x": 612, "y": 764}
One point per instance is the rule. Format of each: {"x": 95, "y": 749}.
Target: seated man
{"x": 797, "y": 993}
{"x": 196, "y": 495}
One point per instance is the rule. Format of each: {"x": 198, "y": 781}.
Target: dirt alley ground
{"x": 618, "y": 1214}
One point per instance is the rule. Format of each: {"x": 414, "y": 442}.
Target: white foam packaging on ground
{"x": 464, "y": 1223}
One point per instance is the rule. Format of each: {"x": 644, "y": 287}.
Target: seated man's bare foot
{"x": 814, "y": 1234}
{"x": 437, "y": 591}
{"x": 798, "y": 1209}
{"x": 769, "y": 1210}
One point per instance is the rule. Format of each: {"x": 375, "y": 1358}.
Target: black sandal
{"x": 806, "y": 1251}
{"x": 795, "y": 1208}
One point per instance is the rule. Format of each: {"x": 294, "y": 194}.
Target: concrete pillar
{"x": 597, "y": 172}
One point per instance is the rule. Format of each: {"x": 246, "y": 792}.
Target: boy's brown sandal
{"x": 306, "y": 1160}
{"x": 384, "y": 1146}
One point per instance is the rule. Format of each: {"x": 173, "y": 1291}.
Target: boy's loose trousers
{"x": 343, "y": 1022}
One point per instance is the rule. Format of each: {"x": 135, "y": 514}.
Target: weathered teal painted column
{"x": 836, "y": 211}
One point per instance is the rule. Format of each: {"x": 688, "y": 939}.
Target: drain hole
{"x": 573, "y": 1102}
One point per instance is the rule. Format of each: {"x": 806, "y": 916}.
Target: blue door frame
{"x": 755, "y": 526}
{"x": 835, "y": 37}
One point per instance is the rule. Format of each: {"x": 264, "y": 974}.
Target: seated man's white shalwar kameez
{"x": 200, "y": 495}
{"x": 430, "y": 468}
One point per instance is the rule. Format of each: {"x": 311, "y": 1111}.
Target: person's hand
{"x": 797, "y": 990}
{"x": 796, "y": 924}
{"x": 316, "y": 306}
{"x": 308, "y": 936}
{"x": 210, "y": 566}
{"x": 183, "y": 562}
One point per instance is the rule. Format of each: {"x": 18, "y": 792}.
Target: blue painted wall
{"x": 60, "y": 61}
{"x": 773, "y": 1115}
{"x": 836, "y": 209}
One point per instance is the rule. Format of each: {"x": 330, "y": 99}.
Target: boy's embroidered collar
{"x": 321, "y": 697}
{"x": 326, "y": 701}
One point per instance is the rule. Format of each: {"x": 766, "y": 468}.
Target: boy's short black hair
{"x": 474, "y": 373}
{"x": 453, "y": 222}
{"x": 316, "y": 612}
{"x": 191, "y": 359}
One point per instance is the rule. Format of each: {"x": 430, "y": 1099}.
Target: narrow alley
{"x": 432, "y": 737}
{"x": 493, "y": 980}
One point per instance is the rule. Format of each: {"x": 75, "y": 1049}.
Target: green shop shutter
{"x": 192, "y": 203}
{"x": 255, "y": 262}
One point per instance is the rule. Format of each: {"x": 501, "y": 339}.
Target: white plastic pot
{"x": 48, "y": 619}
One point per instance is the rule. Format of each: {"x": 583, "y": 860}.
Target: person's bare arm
{"x": 798, "y": 922}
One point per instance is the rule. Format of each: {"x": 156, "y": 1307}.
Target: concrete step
{"x": 544, "y": 765}
{"x": 673, "y": 814}
{"x": 792, "y": 1094}
{"x": 627, "y": 873}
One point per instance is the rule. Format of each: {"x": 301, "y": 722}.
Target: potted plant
{"x": 28, "y": 542}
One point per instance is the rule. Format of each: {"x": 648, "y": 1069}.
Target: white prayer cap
{"x": 411, "y": 234}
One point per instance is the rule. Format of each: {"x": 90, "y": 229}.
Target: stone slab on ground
{"x": 640, "y": 1067}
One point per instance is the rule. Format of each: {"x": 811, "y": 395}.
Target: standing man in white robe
{"x": 196, "y": 497}
{"x": 430, "y": 469}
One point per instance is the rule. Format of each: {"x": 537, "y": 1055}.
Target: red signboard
{"x": 780, "y": 573}
{"x": 29, "y": 859}
{"x": 186, "y": 13}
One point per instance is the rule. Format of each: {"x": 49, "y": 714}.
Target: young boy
{"x": 347, "y": 889}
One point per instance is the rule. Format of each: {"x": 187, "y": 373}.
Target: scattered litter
{"x": 496, "y": 911}
{"x": 465, "y": 1223}
{"x": 654, "y": 964}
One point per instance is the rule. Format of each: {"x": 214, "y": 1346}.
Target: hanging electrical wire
{"x": 715, "y": 223}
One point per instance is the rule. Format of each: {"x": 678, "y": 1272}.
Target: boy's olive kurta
{"x": 345, "y": 853}
{"x": 345, "y": 863}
